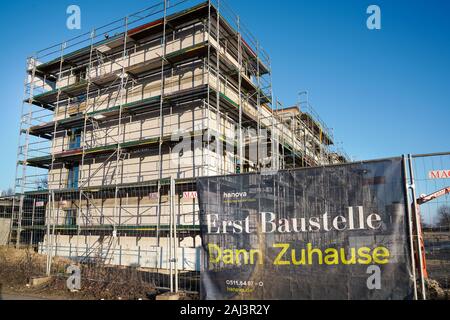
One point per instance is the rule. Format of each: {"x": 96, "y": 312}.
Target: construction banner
{"x": 338, "y": 232}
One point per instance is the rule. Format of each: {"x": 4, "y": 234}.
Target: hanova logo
{"x": 237, "y": 197}
{"x": 234, "y": 195}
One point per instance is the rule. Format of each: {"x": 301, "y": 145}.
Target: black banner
{"x": 337, "y": 232}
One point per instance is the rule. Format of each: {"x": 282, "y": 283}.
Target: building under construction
{"x": 118, "y": 123}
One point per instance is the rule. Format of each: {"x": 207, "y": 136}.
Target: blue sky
{"x": 385, "y": 93}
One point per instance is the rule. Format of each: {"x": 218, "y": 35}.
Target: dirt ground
{"x": 18, "y": 267}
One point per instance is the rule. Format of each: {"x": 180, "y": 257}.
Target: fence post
{"x": 175, "y": 236}
{"x": 170, "y": 244}
{"x": 19, "y": 220}
{"x": 50, "y": 247}
{"x": 416, "y": 223}
{"x": 410, "y": 226}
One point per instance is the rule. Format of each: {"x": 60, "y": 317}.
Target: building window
{"x": 72, "y": 181}
{"x": 75, "y": 139}
{"x": 71, "y": 217}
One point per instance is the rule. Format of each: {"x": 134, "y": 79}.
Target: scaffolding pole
{"x": 161, "y": 119}
{"x": 80, "y": 173}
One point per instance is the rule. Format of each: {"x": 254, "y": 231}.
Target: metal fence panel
{"x": 431, "y": 178}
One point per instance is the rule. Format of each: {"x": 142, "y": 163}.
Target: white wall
{"x": 129, "y": 251}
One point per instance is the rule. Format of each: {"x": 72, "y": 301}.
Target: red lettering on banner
{"x": 190, "y": 195}
{"x": 153, "y": 196}
{"x": 439, "y": 174}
